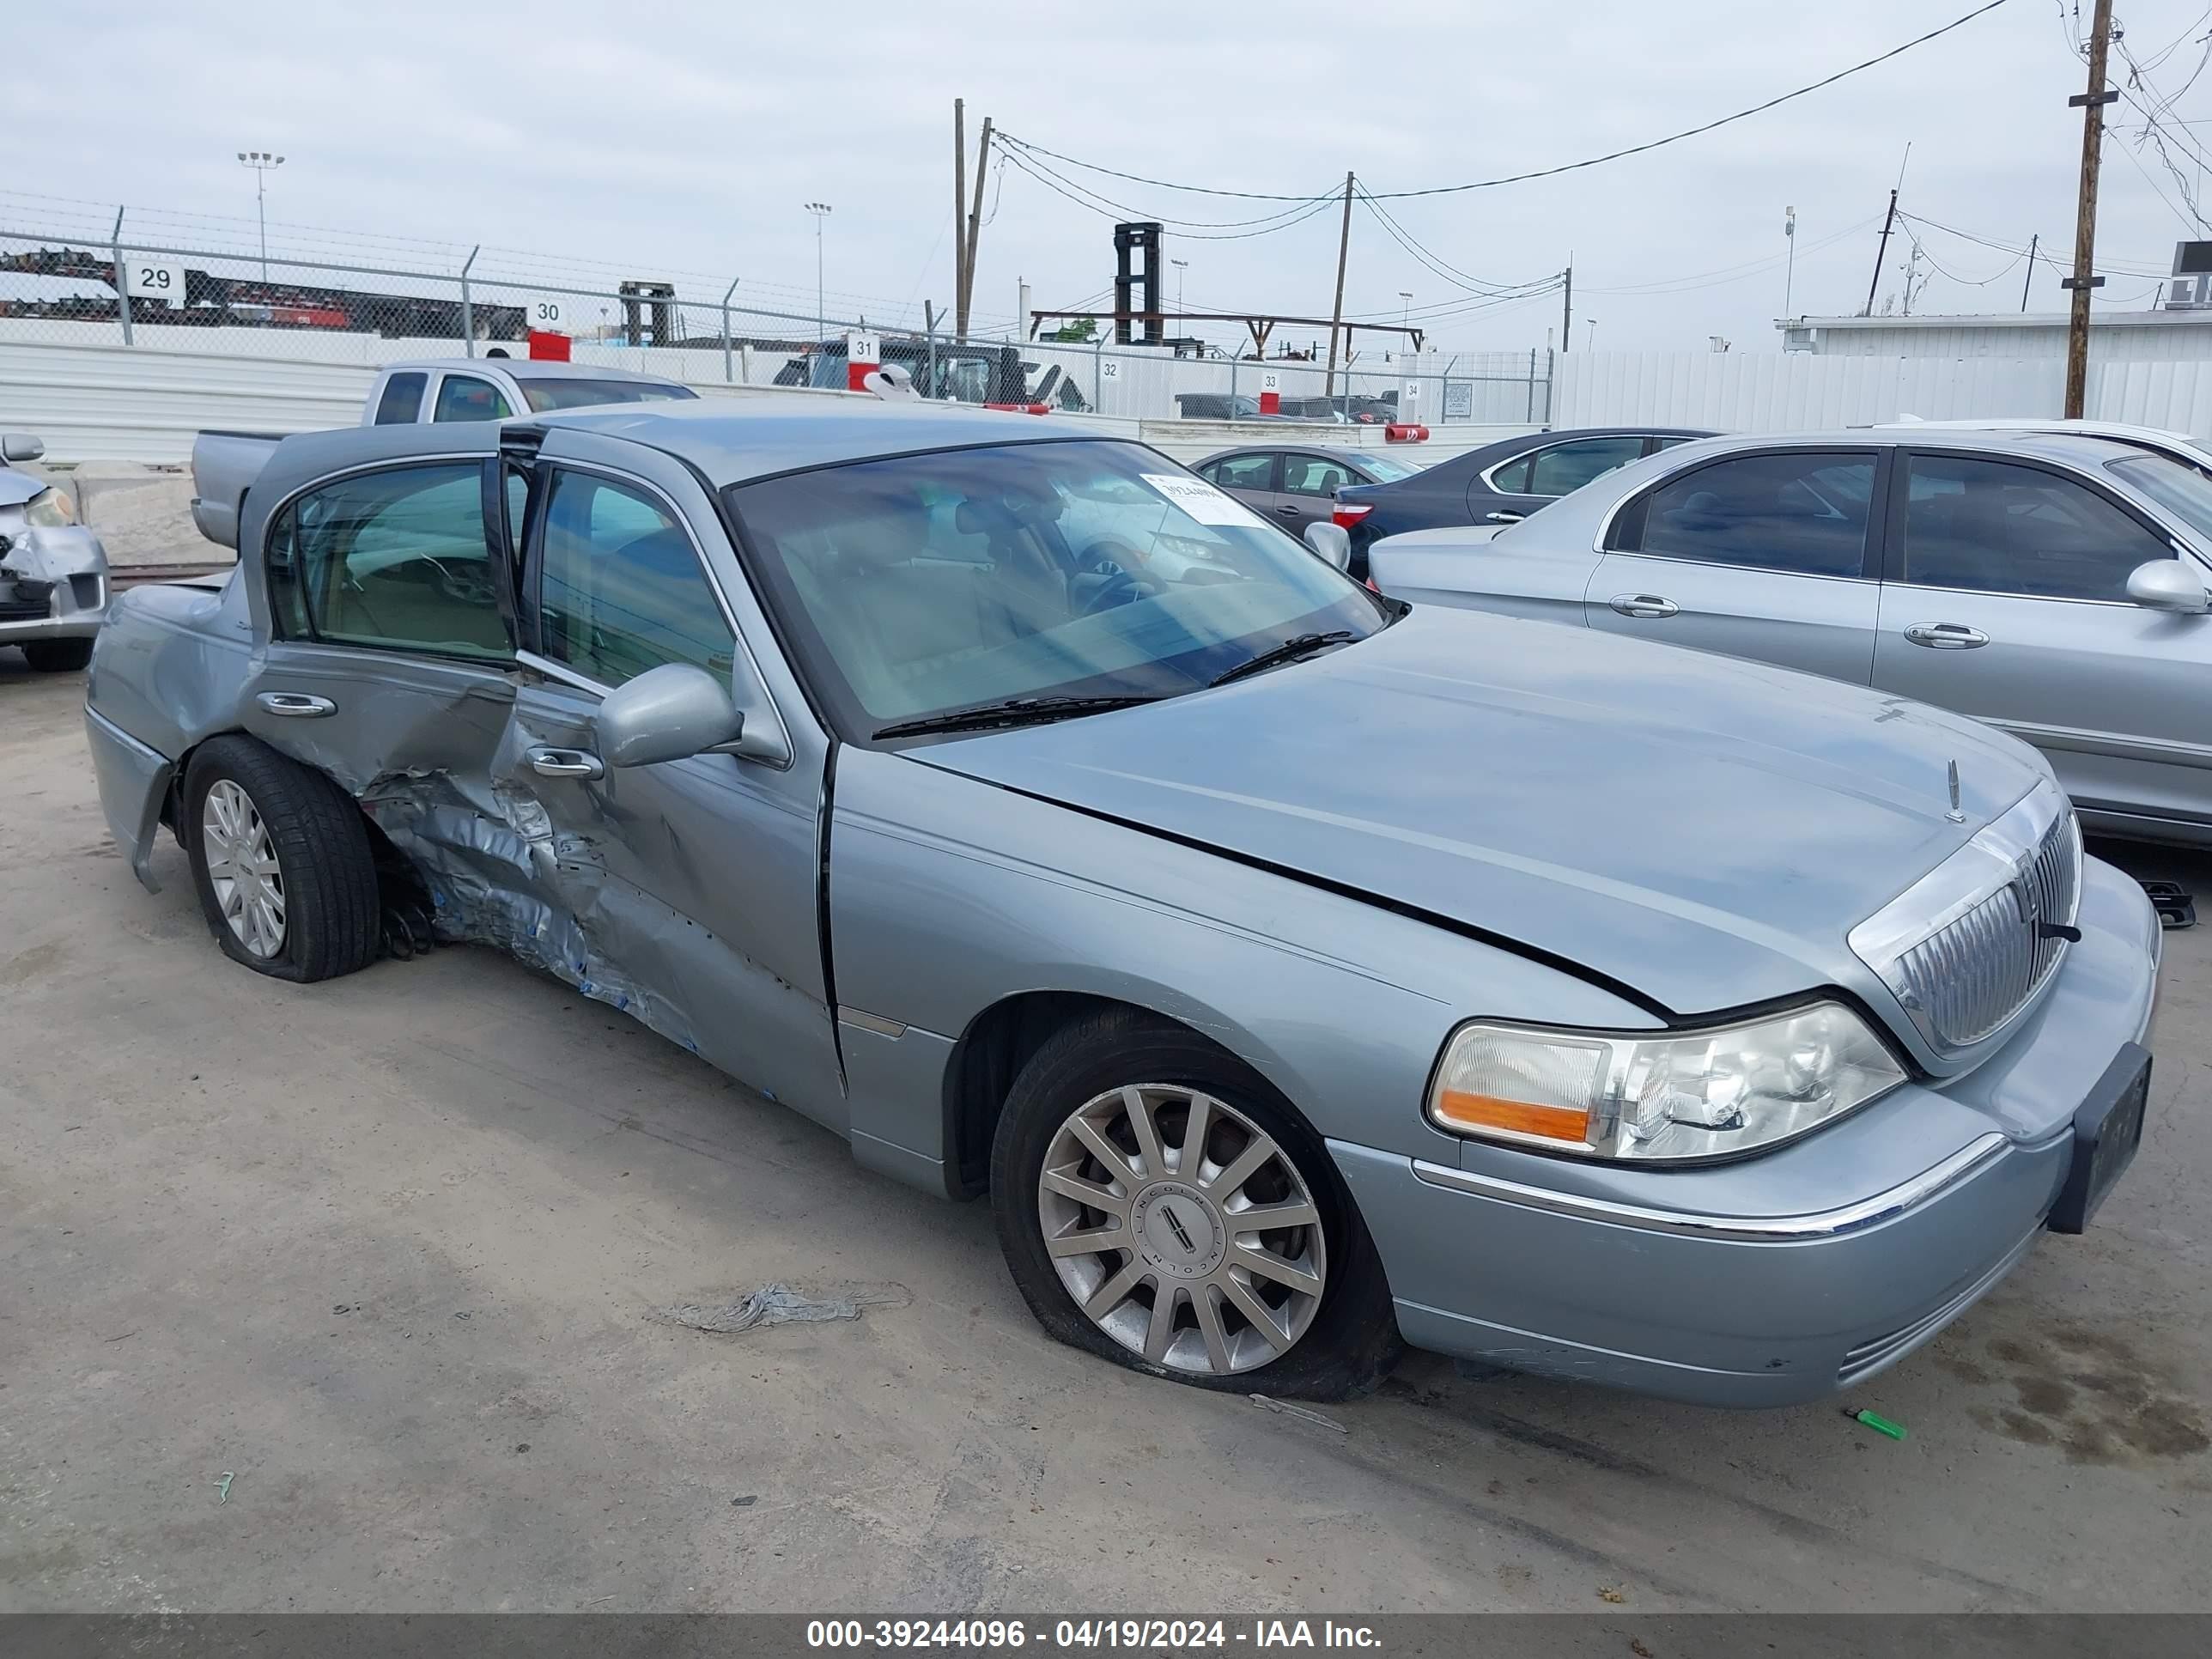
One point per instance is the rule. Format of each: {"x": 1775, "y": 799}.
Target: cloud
{"x": 682, "y": 139}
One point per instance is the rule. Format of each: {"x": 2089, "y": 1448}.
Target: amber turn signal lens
{"x": 1474, "y": 1111}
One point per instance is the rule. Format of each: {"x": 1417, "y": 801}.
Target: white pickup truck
{"x": 226, "y": 464}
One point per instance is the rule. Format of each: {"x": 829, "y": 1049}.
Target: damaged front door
{"x": 686, "y": 891}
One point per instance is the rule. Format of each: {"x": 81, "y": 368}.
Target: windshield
{"x": 1385, "y": 470}
{"x": 924, "y": 584}
{"x": 544, "y": 395}
{"x": 2184, "y": 490}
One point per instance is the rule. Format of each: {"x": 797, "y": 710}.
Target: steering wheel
{"x": 1104, "y": 578}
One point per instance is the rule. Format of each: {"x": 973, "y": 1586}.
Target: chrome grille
{"x": 1970, "y": 945}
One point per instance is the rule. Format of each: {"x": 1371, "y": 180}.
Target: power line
{"x": 1098, "y": 201}
{"x": 1435, "y": 262}
{"x": 2155, "y": 132}
{"x": 1112, "y": 211}
{"x": 1551, "y": 172}
{"x": 1726, "y": 274}
{"x": 2113, "y": 266}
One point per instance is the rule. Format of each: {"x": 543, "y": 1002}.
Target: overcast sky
{"x": 686, "y": 138}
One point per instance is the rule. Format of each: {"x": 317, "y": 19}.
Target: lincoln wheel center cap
{"x": 1178, "y": 1230}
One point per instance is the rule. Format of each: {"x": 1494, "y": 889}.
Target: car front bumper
{"x": 54, "y": 586}
{"x": 1637, "y": 1291}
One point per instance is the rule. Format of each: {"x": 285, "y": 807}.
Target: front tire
{"x": 58, "y": 656}
{"x": 1160, "y": 1205}
{"x": 281, "y": 860}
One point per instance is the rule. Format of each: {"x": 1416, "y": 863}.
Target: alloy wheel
{"x": 242, "y": 866}
{"x": 1182, "y": 1228}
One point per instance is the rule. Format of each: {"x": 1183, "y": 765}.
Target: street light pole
{"x": 1181, "y": 266}
{"x": 1589, "y": 340}
{"x": 821, "y": 211}
{"x": 1789, "y": 281}
{"x": 263, "y": 164}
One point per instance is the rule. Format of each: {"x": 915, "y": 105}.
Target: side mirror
{"x": 2168, "y": 585}
{"x": 669, "y": 713}
{"x": 1332, "y": 541}
{"x": 20, "y": 447}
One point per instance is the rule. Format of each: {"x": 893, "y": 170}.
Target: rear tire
{"x": 281, "y": 860}
{"x": 58, "y": 656}
{"x": 1166, "y": 1224}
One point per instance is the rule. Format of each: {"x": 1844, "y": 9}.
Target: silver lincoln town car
{"x": 1298, "y": 972}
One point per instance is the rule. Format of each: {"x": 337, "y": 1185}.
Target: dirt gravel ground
{"x": 342, "y": 1297}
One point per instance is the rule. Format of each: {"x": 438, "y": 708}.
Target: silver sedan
{"x": 2051, "y": 584}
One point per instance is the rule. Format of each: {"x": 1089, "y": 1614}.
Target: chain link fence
{"x": 142, "y": 284}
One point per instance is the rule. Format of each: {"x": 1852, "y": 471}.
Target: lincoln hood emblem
{"x": 1956, "y": 814}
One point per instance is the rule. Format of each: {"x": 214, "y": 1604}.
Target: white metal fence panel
{"x": 1799, "y": 391}
{"x": 94, "y": 405}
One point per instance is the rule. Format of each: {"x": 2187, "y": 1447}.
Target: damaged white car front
{"x": 54, "y": 571}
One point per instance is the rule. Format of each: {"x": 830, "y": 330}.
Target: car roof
{"x": 534, "y": 369}
{"x": 2081, "y": 448}
{"x": 737, "y": 440}
{"x": 2036, "y": 423}
{"x": 1331, "y": 452}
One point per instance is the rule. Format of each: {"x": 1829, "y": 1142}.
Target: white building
{"x": 2127, "y": 336}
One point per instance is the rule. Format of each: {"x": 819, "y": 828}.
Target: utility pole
{"x": 1880, "y": 254}
{"x": 1567, "y": 321}
{"x": 960, "y": 217}
{"x": 2091, "y": 104}
{"x": 967, "y": 295}
{"x": 1336, "y": 316}
{"x": 2029, "y": 281}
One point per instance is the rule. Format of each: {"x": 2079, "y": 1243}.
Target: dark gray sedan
{"x": 1499, "y": 483}
{"x": 1296, "y": 485}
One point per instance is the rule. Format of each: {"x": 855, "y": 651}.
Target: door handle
{"x": 1649, "y": 606}
{"x": 1946, "y": 636}
{"x": 566, "y": 763}
{"x": 1288, "y": 510}
{"x": 296, "y": 705}
{"x": 1503, "y": 517}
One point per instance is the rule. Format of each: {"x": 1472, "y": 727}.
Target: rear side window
{"x": 395, "y": 560}
{"x": 543, "y": 395}
{"x": 1512, "y": 478}
{"x": 1309, "y": 475}
{"x": 1565, "y": 468}
{"x": 1244, "y": 472}
{"x": 1804, "y": 512}
{"x": 465, "y": 398}
{"x": 1994, "y": 527}
{"x": 402, "y": 400}
{"x": 620, "y": 590}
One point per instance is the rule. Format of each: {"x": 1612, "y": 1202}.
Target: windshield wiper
{"x": 1298, "y": 645}
{"x": 1014, "y": 711}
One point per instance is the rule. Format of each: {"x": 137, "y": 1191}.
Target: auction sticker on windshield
{"x": 1202, "y": 501}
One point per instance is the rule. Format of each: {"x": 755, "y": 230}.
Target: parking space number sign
{"x": 153, "y": 280}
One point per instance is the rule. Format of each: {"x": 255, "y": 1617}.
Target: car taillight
{"x": 1345, "y": 514}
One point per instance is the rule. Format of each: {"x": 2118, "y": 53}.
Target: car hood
{"x": 1700, "y": 831}
{"x": 16, "y": 488}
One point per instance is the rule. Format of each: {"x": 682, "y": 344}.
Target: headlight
{"x": 49, "y": 510}
{"x": 1664, "y": 1096}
